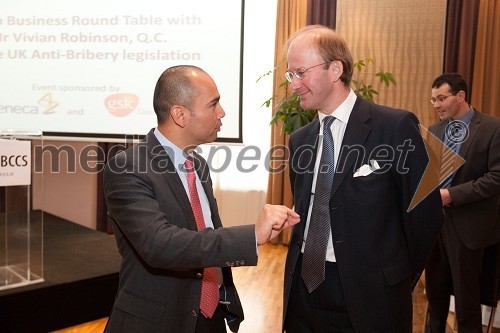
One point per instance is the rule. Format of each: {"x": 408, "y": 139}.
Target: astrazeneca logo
{"x": 13, "y": 161}
{"x": 47, "y": 103}
{"x": 120, "y": 105}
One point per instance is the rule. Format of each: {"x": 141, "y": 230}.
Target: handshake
{"x": 272, "y": 220}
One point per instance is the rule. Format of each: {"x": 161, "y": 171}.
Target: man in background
{"x": 471, "y": 201}
{"x": 175, "y": 274}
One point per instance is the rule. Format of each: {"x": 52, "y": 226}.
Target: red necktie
{"x": 210, "y": 286}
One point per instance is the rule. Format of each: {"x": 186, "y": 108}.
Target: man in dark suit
{"x": 166, "y": 220}
{"x": 375, "y": 247}
{"x": 471, "y": 204}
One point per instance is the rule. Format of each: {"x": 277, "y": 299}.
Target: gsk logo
{"x": 120, "y": 105}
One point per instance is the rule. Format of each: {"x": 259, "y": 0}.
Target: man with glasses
{"x": 471, "y": 201}
{"x": 354, "y": 260}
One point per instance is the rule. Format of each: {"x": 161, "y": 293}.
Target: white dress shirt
{"x": 341, "y": 114}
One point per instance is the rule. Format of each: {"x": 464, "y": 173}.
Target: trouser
{"x": 322, "y": 311}
{"x": 454, "y": 269}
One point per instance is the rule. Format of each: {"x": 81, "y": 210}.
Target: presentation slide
{"x": 89, "y": 68}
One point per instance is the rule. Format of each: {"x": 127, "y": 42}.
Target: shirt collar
{"x": 176, "y": 155}
{"x": 343, "y": 112}
{"x": 467, "y": 117}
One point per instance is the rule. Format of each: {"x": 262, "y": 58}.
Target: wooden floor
{"x": 260, "y": 289}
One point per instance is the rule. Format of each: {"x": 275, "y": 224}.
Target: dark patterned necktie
{"x": 449, "y": 154}
{"x": 313, "y": 261}
{"x": 210, "y": 286}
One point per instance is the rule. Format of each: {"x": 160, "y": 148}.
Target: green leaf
{"x": 386, "y": 78}
{"x": 284, "y": 84}
{"x": 264, "y": 75}
{"x": 359, "y": 65}
{"x": 268, "y": 102}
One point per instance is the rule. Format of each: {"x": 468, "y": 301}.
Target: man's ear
{"x": 177, "y": 113}
{"x": 337, "y": 69}
{"x": 461, "y": 95}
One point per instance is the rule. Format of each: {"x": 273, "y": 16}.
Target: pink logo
{"x": 120, "y": 105}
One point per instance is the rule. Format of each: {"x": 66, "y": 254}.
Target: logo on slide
{"x": 47, "y": 103}
{"x": 120, "y": 105}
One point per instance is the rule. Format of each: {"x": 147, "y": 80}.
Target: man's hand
{"x": 445, "y": 196}
{"x": 272, "y": 220}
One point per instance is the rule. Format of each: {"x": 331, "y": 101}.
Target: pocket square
{"x": 366, "y": 169}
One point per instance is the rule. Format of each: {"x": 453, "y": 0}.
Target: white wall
{"x": 240, "y": 194}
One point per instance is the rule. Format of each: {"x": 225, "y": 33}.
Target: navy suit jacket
{"x": 163, "y": 253}
{"x": 380, "y": 247}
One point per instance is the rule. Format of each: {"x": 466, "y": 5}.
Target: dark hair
{"x": 455, "y": 81}
{"x": 174, "y": 87}
{"x": 330, "y": 45}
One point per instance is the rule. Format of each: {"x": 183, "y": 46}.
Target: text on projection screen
{"x": 70, "y": 68}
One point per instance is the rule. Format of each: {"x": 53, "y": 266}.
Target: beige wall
{"x": 69, "y": 185}
{"x": 405, "y": 37}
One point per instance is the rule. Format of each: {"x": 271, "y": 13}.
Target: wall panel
{"x": 405, "y": 37}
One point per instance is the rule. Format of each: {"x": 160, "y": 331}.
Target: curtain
{"x": 486, "y": 82}
{"x": 322, "y": 12}
{"x": 291, "y": 15}
{"x": 460, "y": 38}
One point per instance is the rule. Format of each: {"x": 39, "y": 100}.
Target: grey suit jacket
{"x": 381, "y": 249}
{"x": 475, "y": 187}
{"x": 163, "y": 253}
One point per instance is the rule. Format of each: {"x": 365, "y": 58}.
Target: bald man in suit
{"x": 156, "y": 201}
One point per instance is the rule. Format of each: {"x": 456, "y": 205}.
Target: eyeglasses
{"x": 440, "y": 99}
{"x": 300, "y": 73}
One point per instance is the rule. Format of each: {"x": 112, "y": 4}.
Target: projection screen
{"x": 89, "y": 68}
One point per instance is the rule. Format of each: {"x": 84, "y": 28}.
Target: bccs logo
{"x": 120, "y": 105}
{"x": 13, "y": 161}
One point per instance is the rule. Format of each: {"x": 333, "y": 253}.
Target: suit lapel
{"x": 355, "y": 135}
{"x": 439, "y": 130}
{"x": 162, "y": 164}
{"x": 473, "y": 130}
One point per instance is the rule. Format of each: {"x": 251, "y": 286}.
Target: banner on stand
{"x": 15, "y": 162}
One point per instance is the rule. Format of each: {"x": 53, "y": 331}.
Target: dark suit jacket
{"x": 163, "y": 253}
{"x": 381, "y": 249}
{"x": 475, "y": 187}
